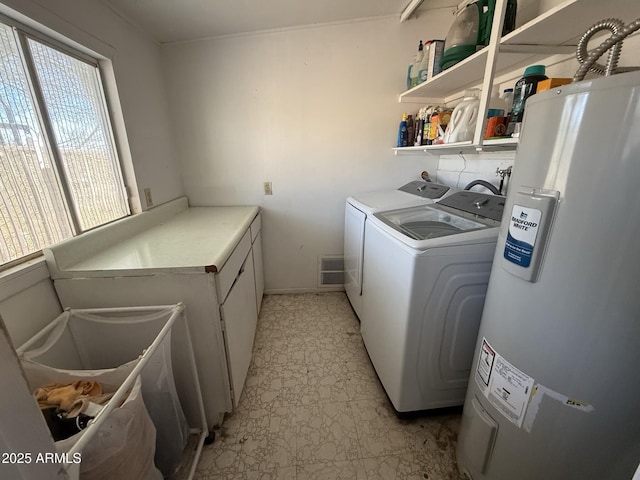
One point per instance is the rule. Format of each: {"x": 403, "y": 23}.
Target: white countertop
{"x": 197, "y": 239}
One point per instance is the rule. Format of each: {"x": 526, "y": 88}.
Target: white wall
{"x": 315, "y": 111}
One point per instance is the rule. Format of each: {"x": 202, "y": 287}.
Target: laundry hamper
{"x": 114, "y": 346}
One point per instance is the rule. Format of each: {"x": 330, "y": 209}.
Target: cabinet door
{"x": 259, "y": 271}
{"x": 239, "y": 317}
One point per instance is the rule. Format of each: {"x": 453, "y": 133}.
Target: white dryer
{"x": 426, "y": 276}
{"x": 358, "y": 208}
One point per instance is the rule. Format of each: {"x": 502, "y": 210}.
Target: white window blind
{"x": 59, "y": 170}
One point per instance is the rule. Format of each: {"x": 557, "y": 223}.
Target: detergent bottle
{"x": 463, "y": 119}
{"x": 423, "y": 67}
{"x": 525, "y": 87}
{"x": 412, "y": 72}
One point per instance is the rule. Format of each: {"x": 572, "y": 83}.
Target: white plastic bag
{"x": 123, "y": 447}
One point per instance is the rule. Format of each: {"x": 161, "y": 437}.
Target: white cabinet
{"x": 198, "y": 293}
{"x": 239, "y": 318}
{"x": 555, "y": 30}
{"x": 200, "y": 256}
{"x": 256, "y": 250}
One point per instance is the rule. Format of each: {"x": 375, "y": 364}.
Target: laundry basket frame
{"x": 177, "y": 313}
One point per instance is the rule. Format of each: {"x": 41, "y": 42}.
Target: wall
{"x": 314, "y": 111}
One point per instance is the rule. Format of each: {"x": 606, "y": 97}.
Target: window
{"x": 59, "y": 169}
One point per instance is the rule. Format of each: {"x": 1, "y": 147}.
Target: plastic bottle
{"x": 463, "y": 119}
{"x": 423, "y": 68}
{"x": 411, "y": 130}
{"x": 402, "y": 132}
{"x": 525, "y": 87}
{"x": 413, "y": 68}
{"x": 497, "y": 106}
{"x": 507, "y": 98}
{"x": 419, "y": 128}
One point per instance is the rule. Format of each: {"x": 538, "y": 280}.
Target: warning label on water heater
{"x": 485, "y": 362}
{"x": 507, "y": 388}
{"x": 521, "y": 236}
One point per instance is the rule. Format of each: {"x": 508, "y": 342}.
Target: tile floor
{"x": 313, "y": 408}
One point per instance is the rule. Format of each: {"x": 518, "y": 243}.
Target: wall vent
{"x": 330, "y": 271}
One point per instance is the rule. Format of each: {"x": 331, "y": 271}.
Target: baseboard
{"x": 283, "y": 291}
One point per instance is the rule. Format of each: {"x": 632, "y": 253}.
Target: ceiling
{"x": 170, "y": 21}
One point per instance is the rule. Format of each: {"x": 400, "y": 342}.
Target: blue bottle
{"x": 403, "y": 133}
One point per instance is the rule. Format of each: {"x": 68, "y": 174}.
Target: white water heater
{"x": 554, "y": 389}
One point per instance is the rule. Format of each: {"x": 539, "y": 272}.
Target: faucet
{"x": 503, "y": 173}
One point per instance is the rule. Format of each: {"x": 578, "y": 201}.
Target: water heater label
{"x": 521, "y": 236}
{"x": 507, "y": 388}
{"x": 485, "y": 363}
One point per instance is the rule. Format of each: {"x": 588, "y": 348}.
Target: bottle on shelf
{"x": 403, "y": 137}
{"x": 525, "y": 87}
{"x": 411, "y": 130}
{"x": 423, "y": 68}
{"x": 507, "y": 98}
{"x": 463, "y": 119}
{"x": 412, "y": 74}
{"x": 422, "y": 130}
{"x": 497, "y": 106}
{"x": 426, "y": 117}
{"x": 417, "y": 140}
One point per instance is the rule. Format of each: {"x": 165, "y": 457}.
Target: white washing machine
{"x": 358, "y": 208}
{"x": 426, "y": 276}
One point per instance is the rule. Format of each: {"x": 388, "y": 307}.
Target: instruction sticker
{"x": 507, "y": 388}
{"x": 521, "y": 236}
{"x": 485, "y": 363}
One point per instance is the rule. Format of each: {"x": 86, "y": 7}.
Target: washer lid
{"x": 425, "y": 222}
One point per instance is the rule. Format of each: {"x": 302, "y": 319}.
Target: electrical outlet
{"x": 147, "y": 197}
{"x": 267, "y": 188}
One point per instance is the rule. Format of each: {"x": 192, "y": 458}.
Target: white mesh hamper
{"x": 105, "y": 345}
